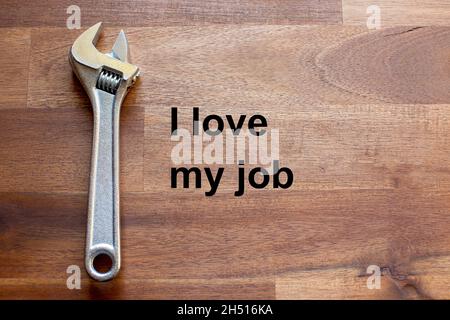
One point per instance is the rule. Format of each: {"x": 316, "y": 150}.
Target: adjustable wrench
{"x": 106, "y": 79}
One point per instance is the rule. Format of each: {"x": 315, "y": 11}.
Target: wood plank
{"x": 293, "y": 65}
{"x": 239, "y": 66}
{"x": 245, "y": 242}
{"x": 242, "y": 67}
{"x": 427, "y": 278}
{"x": 129, "y": 289}
{"x": 339, "y": 283}
{"x": 14, "y": 58}
{"x": 168, "y": 13}
{"x": 49, "y": 150}
{"x": 397, "y": 65}
{"x": 399, "y": 12}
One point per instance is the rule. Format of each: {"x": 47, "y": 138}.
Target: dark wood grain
{"x": 167, "y": 13}
{"x": 227, "y": 241}
{"x": 49, "y": 150}
{"x": 364, "y": 125}
{"x": 137, "y": 289}
{"x": 14, "y": 58}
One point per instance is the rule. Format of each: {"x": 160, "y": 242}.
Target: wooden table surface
{"x": 364, "y": 120}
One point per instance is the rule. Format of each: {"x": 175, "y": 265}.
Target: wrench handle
{"x": 103, "y": 230}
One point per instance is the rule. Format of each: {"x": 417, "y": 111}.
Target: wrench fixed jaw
{"x": 106, "y": 79}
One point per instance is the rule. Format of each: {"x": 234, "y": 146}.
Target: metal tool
{"x": 106, "y": 79}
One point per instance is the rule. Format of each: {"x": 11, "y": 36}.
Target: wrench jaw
{"x": 89, "y": 64}
{"x": 84, "y": 52}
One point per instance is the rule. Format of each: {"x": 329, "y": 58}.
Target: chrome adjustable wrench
{"x": 106, "y": 79}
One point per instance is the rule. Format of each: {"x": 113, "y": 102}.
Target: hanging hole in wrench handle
{"x": 103, "y": 234}
{"x": 101, "y": 262}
